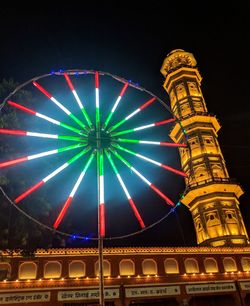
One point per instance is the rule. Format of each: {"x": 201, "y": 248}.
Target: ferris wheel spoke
{"x": 152, "y": 186}
{"x": 152, "y": 161}
{"x": 79, "y": 102}
{"x": 97, "y": 101}
{"x": 143, "y": 127}
{"x": 100, "y": 183}
{"x": 130, "y": 200}
{"x": 158, "y": 143}
{"x": 143, "y": 106}
{"x": 51, "y": 175}
{"x": 39, "y": 155}
{"x": 115, "y": 106}
{"x": 42, "y": 135}
{"x": 72, "y": 193}
{"x": 32, "y": 112}
{"x": 62, "y": 107}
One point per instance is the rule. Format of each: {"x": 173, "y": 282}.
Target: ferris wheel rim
{"x": 90, "y": 72}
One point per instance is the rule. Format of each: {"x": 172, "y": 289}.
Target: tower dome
{"x": 176, "y": 59}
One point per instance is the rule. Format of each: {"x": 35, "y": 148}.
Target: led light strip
{"x": 101, "y": 194}
{"x": 72, "y": 193}
{"x": 146, "y": 104}
{"x": 42, "y": 135}
{"x": 50, "y": 176}
{"x": 62, "y": 107}
{"x": 130, "y": 200}
{"x": 143, "y": 127}
{"x": 79, "y": 102}
{"x": 152, "y": 186}
{"x": 56, "y": 122}
{"x": 39, "y": 155}
{"x": 152, "y": 161}
{"x": 159, "y": 143}
{"x": 115, "y": 105}
{"x": 97, "y": 102}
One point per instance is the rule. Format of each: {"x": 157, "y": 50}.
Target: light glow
{"x": 115, "y": 105}
{"x": 150, "y": 160}
{"x": 52, "y": 174}
{"x": 152, "y": 186}
{"x": 72, "y": 193}
{"x": 60, "y": 105}
{"x": 79, "y": 102}
{"x": 143, "y": 106}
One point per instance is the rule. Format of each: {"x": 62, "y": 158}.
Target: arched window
{"x": 106, "y": 268}
{"x": 191, "y": 265}
{"x": 127, "y": 267}
{"x": 229, "y": 264}
{"x": 171, "y": 266}
{"x": 210, "y": 265}
{"x": 5, "y": 270}
{"x": 52, "y": 269}
{"x": 27, "y": 270}
{"x": 149, "y": 267}
{"x": 245, "y": 263}
{"x": 77, "y": 268}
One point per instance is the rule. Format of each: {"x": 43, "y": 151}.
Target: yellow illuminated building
{"x": 211, "y": 196}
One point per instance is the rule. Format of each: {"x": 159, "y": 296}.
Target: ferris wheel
{"x": 98, "y": 146}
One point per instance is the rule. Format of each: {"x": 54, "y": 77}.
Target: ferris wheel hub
{"x": 101, "y": 142}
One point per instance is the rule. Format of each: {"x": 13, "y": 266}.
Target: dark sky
{"x": 132, "y": 41}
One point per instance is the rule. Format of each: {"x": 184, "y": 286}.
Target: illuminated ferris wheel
{"x": 78, "y": 145}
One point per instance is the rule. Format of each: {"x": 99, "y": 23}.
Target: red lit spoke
{"x": 62, "y": 212}
{"x": 13, "y": 162}
{"x": 21, "y": 107}
{"x": 13, "y": 132}
{"x": 29, "y": 191}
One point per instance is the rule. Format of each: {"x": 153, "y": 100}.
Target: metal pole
{"x": 101, "y": 278}
{"x": 99, "y": 164}
{"x": 100, "y": 238}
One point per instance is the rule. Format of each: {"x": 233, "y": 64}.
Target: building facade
{"x": 211, "y": 196}
{"x": 133, "y": 276}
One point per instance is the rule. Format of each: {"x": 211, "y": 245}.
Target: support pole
{"x": 101, "y": 278}
{"x": 101, "y": 225}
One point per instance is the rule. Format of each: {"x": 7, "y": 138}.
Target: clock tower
{"x": 211, "y": 196}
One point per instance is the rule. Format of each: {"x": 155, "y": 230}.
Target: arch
{"x": 27, "y": 270}
{"x": 200, "y": 173}
{"x": 77, "y": 268}
{"x": 149, "y": 267}
{"x": 171, "y": 266}
{"x": 229, "y": 264}
{"x": 211, "y": 265}
{"x": 127, "y": 267}
{"x": 52, "y": 269}
{"x": 106, "y": 268}
{"x": 191, "y": 265}
{"x": 217, "y": 171}
{"x": 245, "y": 263}
{"x": 5, "y": 270}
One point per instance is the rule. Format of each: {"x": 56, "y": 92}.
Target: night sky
{"x": 132, "y": 41}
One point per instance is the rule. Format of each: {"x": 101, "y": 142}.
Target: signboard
{"x": 245, "y": 285}
{"x": 152, "y": 291}
{"x": 27, "y": 297}
{"x": 207, "y": 288}
{"x": 92, "y": 294}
